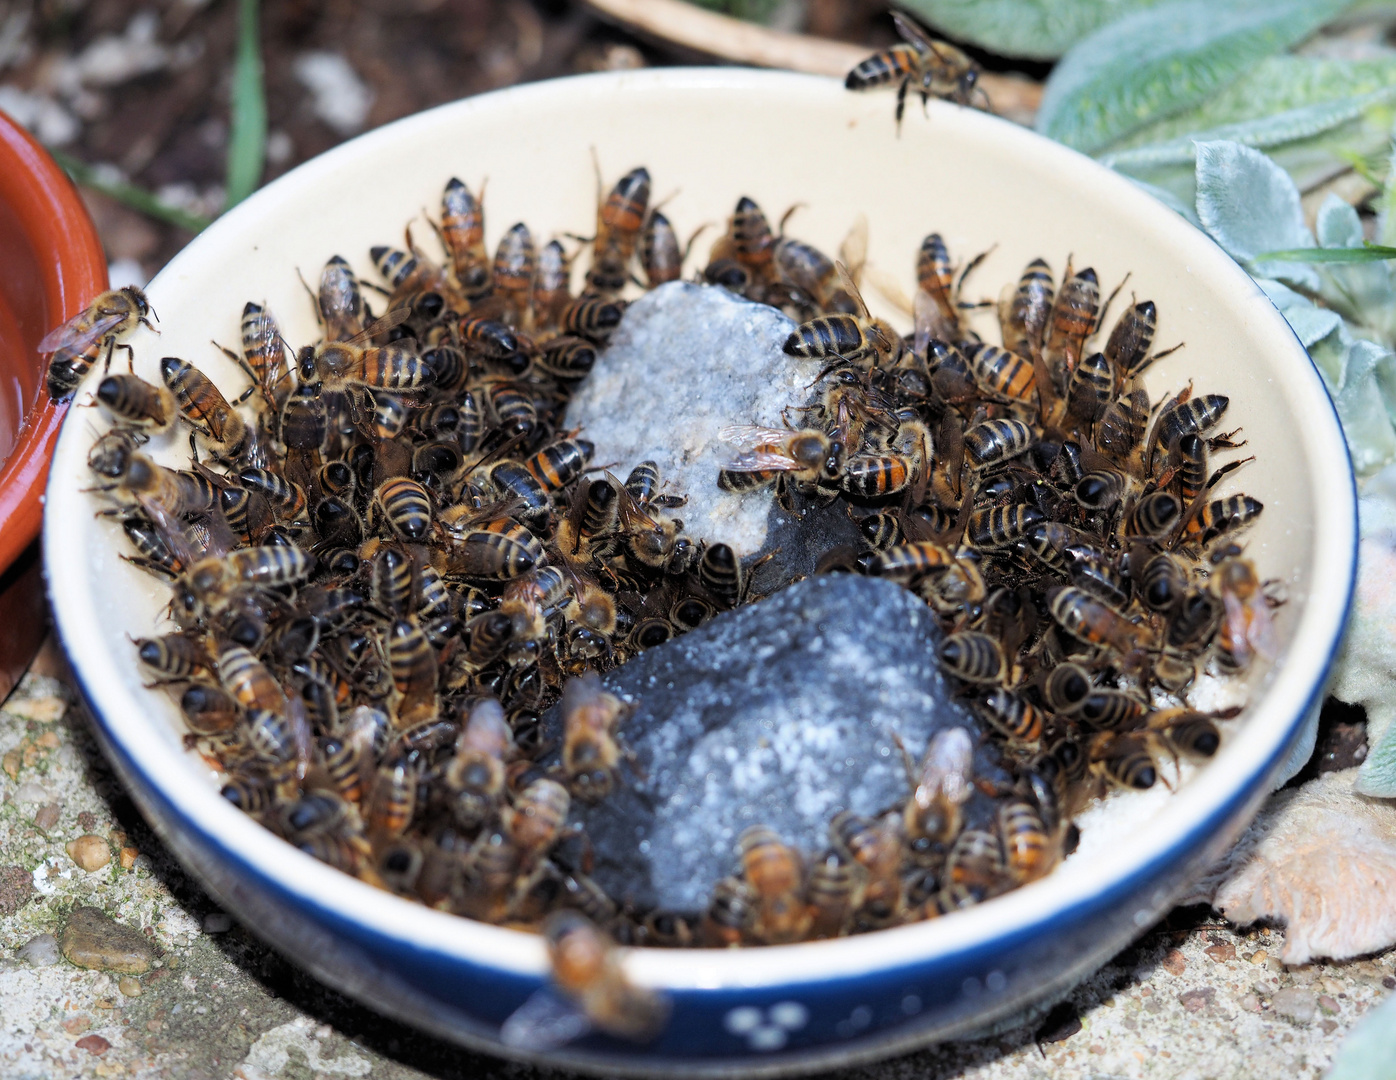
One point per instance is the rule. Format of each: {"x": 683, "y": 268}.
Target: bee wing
{"x": 1260, "y": 631}
{"x": 750, "y": 436}
{"x": 890, "y": 290}
{"x": 545, "y": 1021}
{"x": 929, "y": 322}
{"x": 579, "y": 693}
{"x": 854, "y": 249}
{"x": 760, "y": 461}
{"x": 1237, "y": 625}
{"x": 170, "y": 530}
{"x": 395, "y": 317}
{"x": 300, "y": 733}
{"x": 851, "y": 287}
{"x": 949, "y": 764}
{"x": 74, "y": 335}
{"x": 911, "y": 33}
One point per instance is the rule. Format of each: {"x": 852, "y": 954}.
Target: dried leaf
{"x": 1320, "y": 858}
{"x": 1160, "y": 61}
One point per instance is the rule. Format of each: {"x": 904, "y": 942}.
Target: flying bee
{"x": 595, "y": 992}
{"x": 940, "y": 788}
{"x": 763, "y": 456}
{"x": 205, "y": 408}
{"x": 1025, "y": 309}
{"x": 76, "y": 344}
{"x": 462, "y": 234}
{"x": 848, "y": 338}
{"x": 1246, "y": 630}
{"x": 929, "y": 67}
{"x": 136, "y": 404}
{"x": 620, "y": 217}
{"x": 590, "y": 753}
{"x": 775, "y": 873}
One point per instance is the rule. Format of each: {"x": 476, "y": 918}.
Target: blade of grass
{"x": 1365, "y": 253}
{"x": 247, "y": 140}
{"x": 137, "y": 198}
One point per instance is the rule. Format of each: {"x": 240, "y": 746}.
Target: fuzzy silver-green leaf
{"x": 1036, "y": 29}
{"x": 1160, "y": 61}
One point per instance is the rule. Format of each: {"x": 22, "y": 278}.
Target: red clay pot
{"x": 51, "y": 266}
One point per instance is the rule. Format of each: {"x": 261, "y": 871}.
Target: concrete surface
{"x": 1192, "y": 999}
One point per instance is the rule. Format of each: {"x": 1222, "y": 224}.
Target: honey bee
{"x": 175, "y": 657}
{"x": 1025, "y": 309}
{"x": 214, "y": 582}
{"x": 1029, "y": 852}
{"x": 910, "y": 561}
{"x": 590, "y": 752}
{"x": 205, "y": 409}
{"x": 940, "y": 788}
{"x": 592, "y": 317}
{"x": 157, "y": 489}
{"x": 994, "y": 442}
{"x": 1223, "y": 517}
{"x": 596, "y": 993}
{"x": 974, "y": 657}
{"x": 1012, "y": 715}
{"x": 661, "y": 257}
{"x": 1123, "y": 760}
{"x": 339, "y": 302}
{"x": 412, "y": 664}
{"x": 558, "y": 464}
{"x": 208, "y": 709}
{"x": 1066, "y": 688}
{"x": 406, "y": 506}
{"x": 619, "y": 221}
{"x": 536, "y": 819}
{"x": 793, "y": 459}
{"x": 1128, "y": 346}
{"x": 877, "y": 848}
{"x": 552, "y": 285}
{"x": 476, "y": 773}
{"x": 1094, "y": 622}
{"x": 498, "y": 551}
{"x": 730, "y": 915}
{"x": 1075, "y": 317}
{"x": 775, "y": 874}
{"x": 515, "y": 264}
{"x": 849, "y": 339}
{"x": 392, "y": 801}
{"x": 932, "y": 68}
{"x": 1004, "y": 375}
{"x": 248, "y": 680}
{"x": 137, "y": 405}
{"x": 568, "y": 359}
{"x": 75, "y": 346}
{"x": 1246, "y": 630}
{"x": 462, "y": 234}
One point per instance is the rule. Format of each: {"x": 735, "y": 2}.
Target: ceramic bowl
{"x": 52, "y": 266}
{"x": 709, "y": 136}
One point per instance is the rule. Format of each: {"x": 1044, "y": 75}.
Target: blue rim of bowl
{"x": 688, "y": 79}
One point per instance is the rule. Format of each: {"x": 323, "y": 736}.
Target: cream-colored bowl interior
{"x": 709, "y": 136}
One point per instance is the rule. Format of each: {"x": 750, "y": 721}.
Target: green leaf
{"x": 1369, "y": 1051}
{"x": 1364, "y": 254}
{"x": 247, "y": 141}
{"x": 1160, "y": 61}
{"x": 135, "y": 197}
{"x": 1249, "y": 205}
{"x": 1037, "y": 29}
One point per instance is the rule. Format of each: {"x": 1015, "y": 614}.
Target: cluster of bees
{"x": 382, "y": 581}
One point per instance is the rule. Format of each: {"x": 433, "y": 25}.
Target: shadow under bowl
{"x": 709, "y": 136}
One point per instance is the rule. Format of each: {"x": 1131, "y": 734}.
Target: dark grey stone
{"x": 779, "y": 713}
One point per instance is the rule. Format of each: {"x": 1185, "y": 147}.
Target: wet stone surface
{"x": 780, "y": 713}
{"x": 687, "y": 361}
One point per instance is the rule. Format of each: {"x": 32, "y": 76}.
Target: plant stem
{"x": 247, "y": 141}
{"x": 137, "y": 198}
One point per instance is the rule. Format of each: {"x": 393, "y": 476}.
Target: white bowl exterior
{"x": 707, "y": 137}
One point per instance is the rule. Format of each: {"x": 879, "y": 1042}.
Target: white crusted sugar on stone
{"x": 687, "y": 361}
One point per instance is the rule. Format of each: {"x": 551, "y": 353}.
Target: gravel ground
{"x": 194, "y": 995}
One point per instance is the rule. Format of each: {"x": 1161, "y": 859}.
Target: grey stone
{"x": 779, "y": 713}
{"x": 32, "y": 793}
{"x": 41, "y": 951}
{"x": 687, "y": 361}
{"x": 16, "y": 888}
{"x": 1297, "y": 1004}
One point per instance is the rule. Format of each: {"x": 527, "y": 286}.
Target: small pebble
{"x": 1388, "y": 982}
{"x": 89, "y": 852}
{"x": 130, "y": 986}
{"x": 216, "y": 922}
{"x": 1299, "y": 1005}
{"x": 16, "y": 887}
{"x": 93, "y": 1044}
{"x": 43, "y": 710}
{"x": 31, "y": 792}
{"x": 1197, "y": 1000}
{"x": 47, "y": 741}
{"x": 47, "y": 816}
{"x": 1251, "y": 1003}
{"x": 1258, "y": 957}
{"x": 128, "y": 857}
{"x": 1221, "y": 952}
{"x": 1327, "y": 1004}
{"x": 10, "y": 763}
{"x": 92, "y": 940}
{"x": 1331, "y": 986}
{"x": 1174, "y": 962}
{"x": 87, "y": 820}
{"x": 76, "y": 1025}
{"x": 41, "y": 951}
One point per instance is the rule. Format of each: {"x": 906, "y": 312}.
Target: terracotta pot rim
{"x": 73, "y": 266}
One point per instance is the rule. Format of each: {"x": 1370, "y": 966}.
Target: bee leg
{"x": 194, "y": 446}
{"x": 901, "y": 102}
{"x": 1224, "y": 441}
